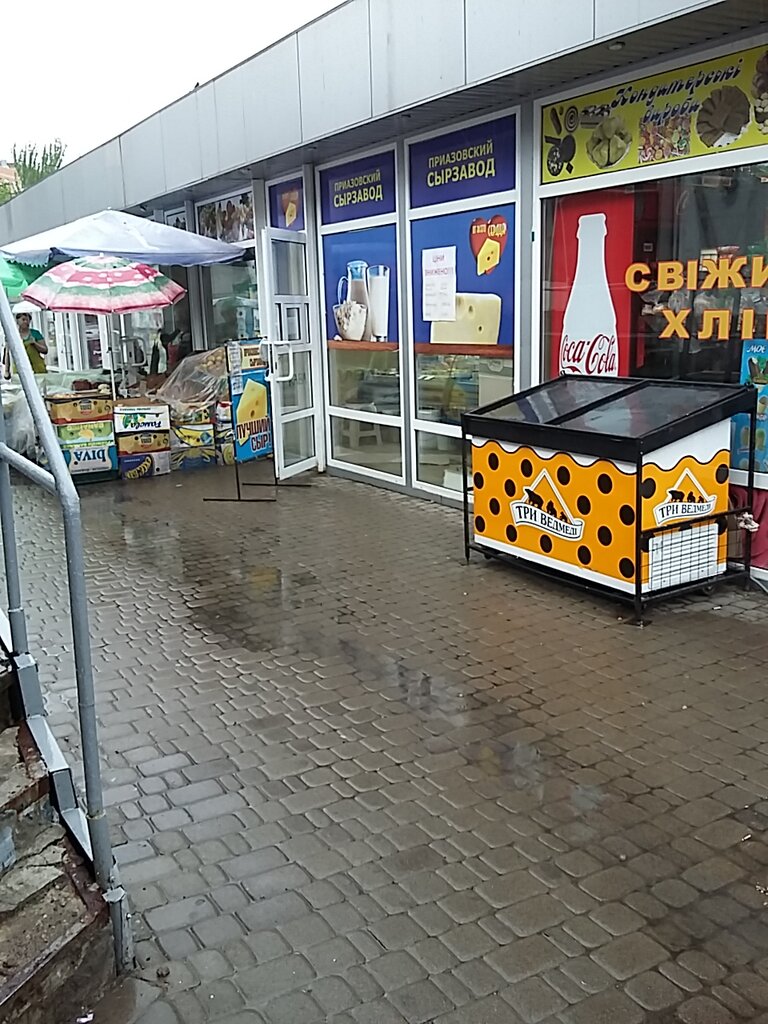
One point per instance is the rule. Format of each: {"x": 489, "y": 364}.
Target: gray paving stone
{"x": 604, "y": 1008}
{"x": 702, "y": 1010}
{"x": 525, "y": 957}
{"x": 653, "y": 991}
{"x": 534, "y": 1000}
{"x": 630, "y": 955}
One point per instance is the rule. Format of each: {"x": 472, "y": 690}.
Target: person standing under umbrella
{"x": 34, "y": 343}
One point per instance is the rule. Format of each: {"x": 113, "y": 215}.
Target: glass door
{"x": 292, "y": 356}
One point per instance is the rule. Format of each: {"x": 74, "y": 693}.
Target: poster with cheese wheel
{"x": 484, "y": 314}
{"x": 251, "y": 414}
{"x": 578, "y": 513}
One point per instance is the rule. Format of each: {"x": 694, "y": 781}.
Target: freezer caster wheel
{"x": 486, "y": 556}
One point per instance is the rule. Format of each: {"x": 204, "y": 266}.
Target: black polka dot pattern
{"x": 605, "y": 536}
{"x": 563, "y": 476}
{"x": 479, "y": 481}
{"x": 510, "y": 488}
{"x": 494, "y": 506}
{"x": 721, "y": 473}
{"x": 526, "y": 468}
{"x": 511, "y": 534}
{"x": 585, "y": 555}
{"x": 546, "y": 544}
{"x": 604, "y": 484}
{"x": 493, "y": 460}
{"x": 627, "y": 515}
{"x": 627, "y": 568}
{"x": 648, "y": 488}
{"x": 584, "y": 505}
{"x": 479, "y": 524}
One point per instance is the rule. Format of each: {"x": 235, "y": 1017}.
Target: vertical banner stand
{"x": 249, "y": 387}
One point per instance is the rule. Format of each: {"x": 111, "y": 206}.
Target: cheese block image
{"x": 253, "y": 404}
{"x": 488, "y": 257}
{"x": 478, "y": 319}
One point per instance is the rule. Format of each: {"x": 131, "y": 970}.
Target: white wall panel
{"x": 335, "y": 69}
{"x": 143, "y": 161}
{"x": 417, "y": 51}
{"x": 272, "y": 111}
{"x": 181, "y": 143}
{"x": 612, "y": 18}
{"x": 230, "y": 120}
{"x": 507, "y": 34}
{"x": 205, "y": 101}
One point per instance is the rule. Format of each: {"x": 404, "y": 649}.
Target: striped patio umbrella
{"x": 102, "y": 284}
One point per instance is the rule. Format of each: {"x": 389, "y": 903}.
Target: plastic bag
{"x": 196, "y": 385}
{"x": 20, "y": 433}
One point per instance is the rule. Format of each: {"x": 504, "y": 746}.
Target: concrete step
{"x": 55, "y": 941}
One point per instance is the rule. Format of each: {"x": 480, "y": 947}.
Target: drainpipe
{"x": 104, "y": 866}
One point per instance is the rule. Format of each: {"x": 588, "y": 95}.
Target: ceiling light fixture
{"x": 616, "y": 45}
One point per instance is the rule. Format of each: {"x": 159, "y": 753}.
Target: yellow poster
{"x": 715, "y": 106}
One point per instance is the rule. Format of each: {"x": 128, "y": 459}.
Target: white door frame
{"x": 280, "y": 349}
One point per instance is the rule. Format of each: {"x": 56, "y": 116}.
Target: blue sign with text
{"x": 474, "y": 161}
{"x": 360, "y": 188}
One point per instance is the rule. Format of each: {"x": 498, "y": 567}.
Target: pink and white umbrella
{"x": 102, "y": 284}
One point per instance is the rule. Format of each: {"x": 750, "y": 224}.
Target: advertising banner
{"x": 286, "y": 205}
{"x": 590, "y": 306}
{"x": 176, "y": 219}
{"x": 228, "y": 220}
{"x": 754, "y": 370}
{"x": 474, "y": 161}
{"x": 357, "y": 189}
{"x": 360, "y": 280}
{"x": 251, "y": 404}
{"x": 483, "y": 244}
{"x": 718, "y": 105}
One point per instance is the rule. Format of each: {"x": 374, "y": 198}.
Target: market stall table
{"x": 619, "y": 483}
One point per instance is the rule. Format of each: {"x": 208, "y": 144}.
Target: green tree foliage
{"x": 32, "y": 165}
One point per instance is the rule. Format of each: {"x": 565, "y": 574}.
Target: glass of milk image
{"x": 378, "y": 302}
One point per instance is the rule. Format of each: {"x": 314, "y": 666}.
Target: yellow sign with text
{"x": 716, "y": 105}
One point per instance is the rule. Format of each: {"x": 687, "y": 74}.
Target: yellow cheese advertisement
{"x": 714, "y": 106}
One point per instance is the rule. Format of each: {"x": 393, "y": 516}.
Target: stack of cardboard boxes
{"x": 192, "y": 439}
{"x": 225, "y": 434}
{"x": 143, "y": 430}
{"x": 83, "y": 423}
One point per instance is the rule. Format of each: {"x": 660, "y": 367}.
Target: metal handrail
{"x": 59, "y": 482}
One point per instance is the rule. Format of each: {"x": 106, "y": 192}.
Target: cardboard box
{"x": 196, "y": 436}
{"x": 136, "y": 467}
{"x": 190, "y": 416}
{"x": 225, "y": 453}
{"x": 147, "y": 441}
{"x": 90, "y": 432}
{"x": 193, "y": 457}
{"x": 84, "y": 407}
{"x": 224, "y": 435}
{"x": 137, "y": 415}
{"x": 90, "y": 458}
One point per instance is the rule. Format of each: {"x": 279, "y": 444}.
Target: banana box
{"x": 190, "y": 415}
{"x": 134, "y": 415}
{"x": 198, "y": 435}
{"x": 83, "y": 407}
{"x": 140, "y": 466}
{"x": 90, "y": 458}
{"x": 85, "y": 433}
{"x": 225, "y": 453}
{"x": 193, "y": 457}
{"x": 146, "y": 441}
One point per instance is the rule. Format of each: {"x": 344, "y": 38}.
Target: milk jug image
{"x": 588, "y": 344}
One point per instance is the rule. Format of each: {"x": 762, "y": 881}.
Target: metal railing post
{"x": 103, "y": 861}
{"x": 16, "y": 615}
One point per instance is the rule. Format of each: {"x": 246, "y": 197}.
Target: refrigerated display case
{"x": 620, "y": 484}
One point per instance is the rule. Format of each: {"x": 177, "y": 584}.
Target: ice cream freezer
{"x": 619, "y": 483}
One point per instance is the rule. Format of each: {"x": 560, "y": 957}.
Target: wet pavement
{"x": 352, "y": 780}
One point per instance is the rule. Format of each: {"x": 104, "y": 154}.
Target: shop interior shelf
{"x": 480, "y": 351}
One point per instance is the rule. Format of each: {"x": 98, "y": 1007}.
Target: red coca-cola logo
{"x": 595, "y": 358}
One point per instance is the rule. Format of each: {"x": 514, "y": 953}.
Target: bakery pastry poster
{"x": 715, "y": 106}
{"x": 484, "y": 299}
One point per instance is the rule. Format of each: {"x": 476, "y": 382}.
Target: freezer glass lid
{"x": 559, "y": 398}
{"x": 639, "y": 412}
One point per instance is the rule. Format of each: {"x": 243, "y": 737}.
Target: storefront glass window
{"x": 361, "y": 310}
{"x": 463, "y": 272}
{"x": 231, "y": 302}
{"x": 664, "y": 278}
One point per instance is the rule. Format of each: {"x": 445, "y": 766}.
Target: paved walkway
{"x": 352, "y": 780}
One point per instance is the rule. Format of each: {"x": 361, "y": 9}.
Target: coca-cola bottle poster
{"x": 590, "y": 305}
